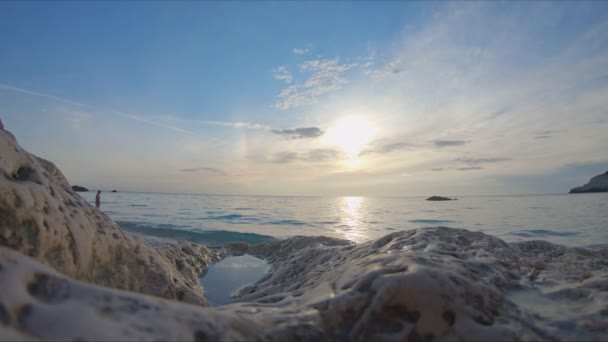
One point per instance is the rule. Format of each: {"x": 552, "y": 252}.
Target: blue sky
{"x": 310, "y": 98}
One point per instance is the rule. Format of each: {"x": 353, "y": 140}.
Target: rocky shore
{"x": 68, "y": 272}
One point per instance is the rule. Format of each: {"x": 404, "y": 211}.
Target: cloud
{"x": 477, "y": 161}
{"x": 325, "y": 76}
{"x": 391, "y": 68}
{"x": 546, "y": 134}
{"x": 206, "y": 169}
{"x": 311, "y": 156}
{"x": 285, "y": 157}
{"x": 448, "y": 143}
{"x": 235, "y": 124}
{"x": 468, "y": 168}
{"x": 299, "y": 133}
{"x": 500, "y": 112}
{"x": 293, "y": 96}
{"x": 281, "y": 73}
{"x": 380, "y": 148}
{"x": 298, "y": 51}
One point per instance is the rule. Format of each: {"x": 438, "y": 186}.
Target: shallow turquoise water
{"x": 572, "y": 220}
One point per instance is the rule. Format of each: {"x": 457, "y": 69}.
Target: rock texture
{"x": 598, "y": 183}
{"x": 424, "y": 284}
{"x": 79, "y": 188}
{"x": 439, "y": 198}
{"x": 42, "y": 217}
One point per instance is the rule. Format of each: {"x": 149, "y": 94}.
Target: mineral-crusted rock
{"x": 41, "y": 216}
{"x": 423, "y": 284}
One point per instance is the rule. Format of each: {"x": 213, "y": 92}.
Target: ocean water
{"x": 573, "y": 220}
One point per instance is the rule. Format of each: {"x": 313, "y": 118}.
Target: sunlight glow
{"x": 351, "y": 134}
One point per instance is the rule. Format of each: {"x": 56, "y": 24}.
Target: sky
{"x": 310, "y": 98}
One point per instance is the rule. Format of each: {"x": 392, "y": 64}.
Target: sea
{"x": 575, "y": 220}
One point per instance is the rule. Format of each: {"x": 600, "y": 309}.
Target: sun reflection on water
{"x": 351, "y": 211}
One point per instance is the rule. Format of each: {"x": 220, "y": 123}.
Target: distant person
{"x": 98, "y": 199}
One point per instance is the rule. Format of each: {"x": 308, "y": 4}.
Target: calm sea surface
{"x": 572, "y": 220}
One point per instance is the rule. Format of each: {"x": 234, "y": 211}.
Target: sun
{"x": 351, "y": 134}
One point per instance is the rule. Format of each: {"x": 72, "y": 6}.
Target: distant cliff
{"x": 598, "y": 183}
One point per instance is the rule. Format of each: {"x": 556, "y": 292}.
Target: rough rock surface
{"x": 439, "y": 198}
{"x": 598, "y": 183}
{"x": 42, "y": 217}
{"x": 79, "y": 188}
{"x": 424, "y": 284}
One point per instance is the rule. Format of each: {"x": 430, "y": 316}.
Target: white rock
{"x": 42, "y": 217}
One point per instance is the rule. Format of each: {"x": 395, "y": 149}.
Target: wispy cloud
{"x": 281, "y": 73}
{"x": 205, "y": 169}
{"x": 233, "y": 124}
{"x": 391, "y": 68}
{"x": 300, "y": 51}
{"x": 325, "y": 76}
{"x": 382, "y": 148}
{"x": 80, "y": 104}
{"x": 311, "y": 156}
{"x": 449, "y": 143}
{"x": 467, "y": 168}
{"x": 299, "y": 133}
{"x": 477, "y": 161}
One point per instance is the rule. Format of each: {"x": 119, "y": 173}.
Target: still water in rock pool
{"x": 226, "y": 277}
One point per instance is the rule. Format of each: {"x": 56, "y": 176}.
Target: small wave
{"x": 542, "y": 232}
{"x": 233, "y": 218}
{"x": 429, "y": 221}
{"x": 244, "y": 209}
{"x": 207, "y": 237}
{"x": 138, "y": 205}
{"x": 288, "y": 223}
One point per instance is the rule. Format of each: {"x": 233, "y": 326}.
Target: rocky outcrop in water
{"x": 598, "y": 183}
{"x": 439, "y": 198}
{"x": 42, "y": 217}
{"x": 422, "y": 284}
{"x": 79, "y": 188}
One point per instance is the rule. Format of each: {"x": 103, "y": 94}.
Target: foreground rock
{"x": 598, "y": 183}
{"x": 439, "y": 198}
{"x": 79, "y": 188}
{"x": 423, "y": 284}
{"x": 42, "y": 217}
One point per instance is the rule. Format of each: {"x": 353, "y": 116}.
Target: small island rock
{"x": 439, "y": 198}
{"x": 114, "y": 191}
{"x": 598, "y": 183}
{"x": 79, "y": 188}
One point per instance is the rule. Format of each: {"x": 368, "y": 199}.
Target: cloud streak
{"x": 477, "y": 161}
{"x": 450, "y": 143}
{"x": 299, "y": 133}
{"x": 80, "y": 104}
{"x": 205, "y": 169}
{"x": 312, "y": 156}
